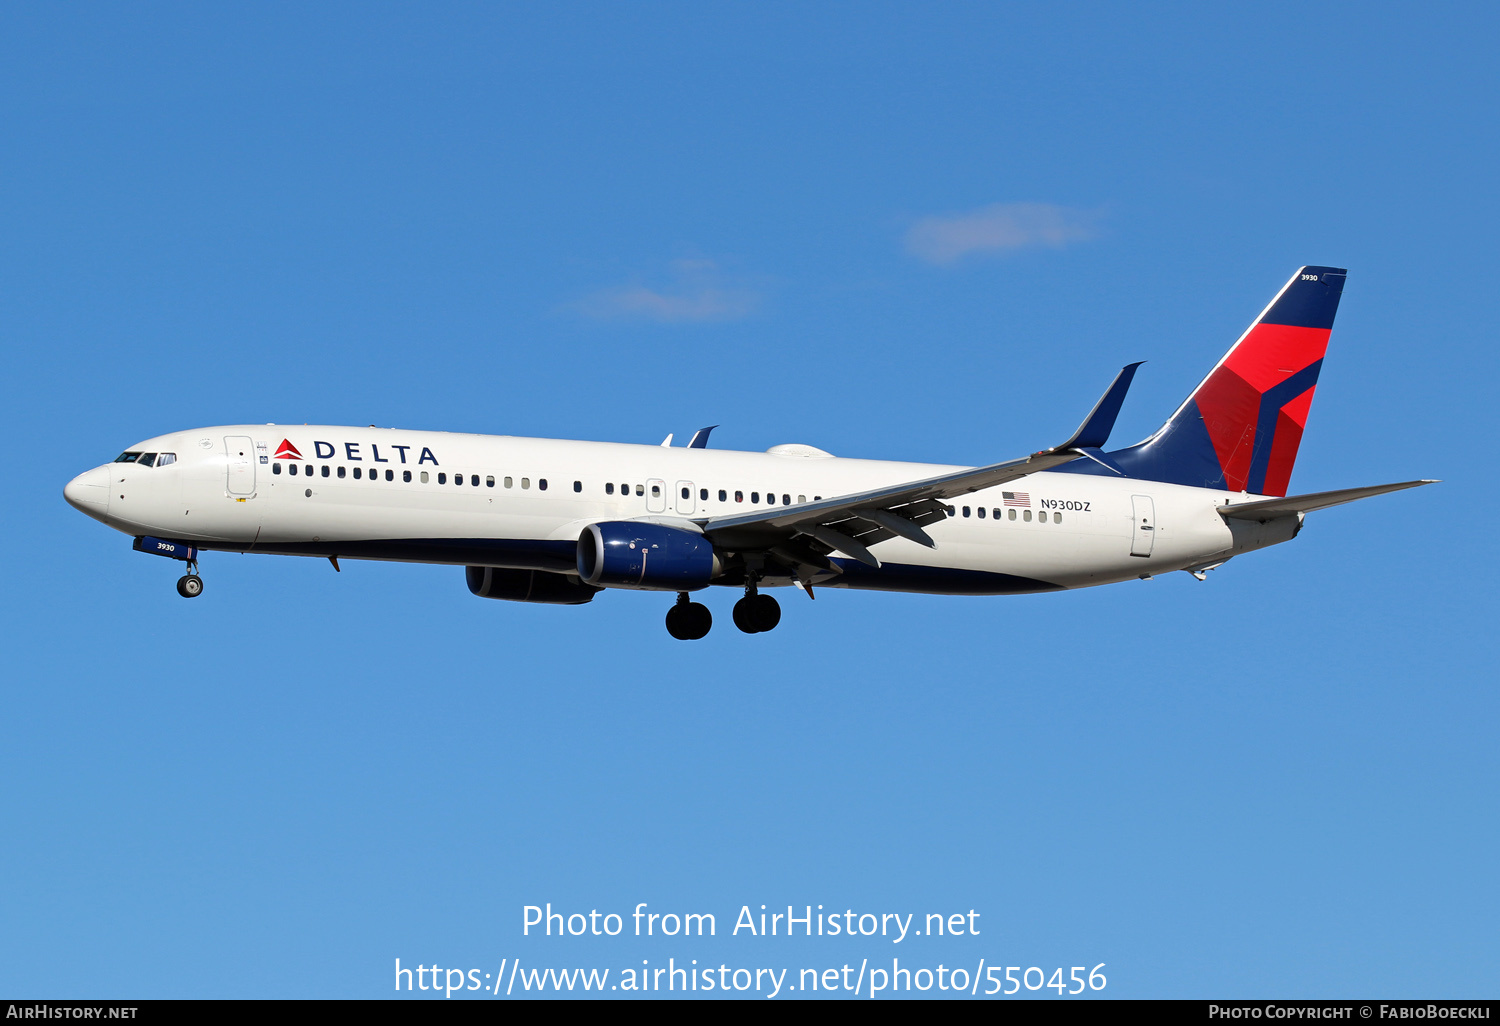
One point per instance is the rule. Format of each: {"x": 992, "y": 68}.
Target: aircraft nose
{"x": 89, "y": 492}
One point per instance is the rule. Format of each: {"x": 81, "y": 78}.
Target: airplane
{"x": 559, "y": 521}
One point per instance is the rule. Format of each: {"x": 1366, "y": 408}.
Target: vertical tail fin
{"x": 1241, "y": 427}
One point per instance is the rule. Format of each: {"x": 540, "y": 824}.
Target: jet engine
{"x": 528, "y": 586}
{"x": 654, "y": 557}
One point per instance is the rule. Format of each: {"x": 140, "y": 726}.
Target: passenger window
{"x": 442, "y": 478}
{"x": 325, "y": 470}
{"x": 390, "y": 475}
{"x": 640, "y": 489}
{"x": 458, "y": 479}
{"x": 1011, "y": 514}
{"x": 508, "y": 482}
{"x": 786, "y": 500}
{"x": 801, "y": 498}
{"x": 525, "y": 482}
{"x": 1026, "y": 516}
{"x": 755, "y": 497}
{"x": 148, "y": 460}
{"x": 980, "y": 511}
{"x": 703, "y": 494}
{"x": 578, "y": 486}
{"x": 405, "y": 475}
{"x": 356, "y": 473}
{"x": 739, "y": 496}
{"x": 966, "y": 511}
{"x": 541, "y": 484}
{"x": 166, "y": 459}
{"x": 996, "y": 514}
{"x": 474, "y": 480}
{"x": 817, "y": 498}
{"x": 489, "y": 480}
{"x": 1057, "y": 518}
{"x": 423, "y": 473}
{"x": 656, "y": 491}
{"x": 276, "y": 468}
{"x": 723, "y": 495}
{"x": 341, "y": 472}
{"x": 609, "y": 488}
{"x": 687, "y": 493}
{"x": 951, "y": 511}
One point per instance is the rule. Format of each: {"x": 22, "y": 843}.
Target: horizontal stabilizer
{"x": 1270, "y": 509}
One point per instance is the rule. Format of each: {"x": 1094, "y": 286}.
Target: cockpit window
{"x": 128, "y": 457}
{"x": 166, "y": 458}
{"x": 148, "y": 459}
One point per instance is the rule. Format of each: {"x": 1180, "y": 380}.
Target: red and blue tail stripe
{"x": 1240, "y": 429}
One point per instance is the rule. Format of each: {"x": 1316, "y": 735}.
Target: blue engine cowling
{"x": 633, "y": 554}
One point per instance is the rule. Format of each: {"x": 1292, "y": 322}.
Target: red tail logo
{"x": 287, "y": 451}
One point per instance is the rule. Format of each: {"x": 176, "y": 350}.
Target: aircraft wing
{"x": 1270, "y": 509}
{"x": 849, "y": 524}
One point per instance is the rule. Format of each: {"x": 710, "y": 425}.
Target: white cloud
{"x": 697, "y": 291}
{"x": 999, "y": 227}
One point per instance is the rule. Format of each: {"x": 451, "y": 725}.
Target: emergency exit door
{"x": 684, "y": 497}
{"x": 241, "y": 470}
{"x": 1143, "y": 535}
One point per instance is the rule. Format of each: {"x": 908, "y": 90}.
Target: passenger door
{"x": 241, "y": 470}
{"x": 1143, "y": 534}
{"x": 684, "y": 498}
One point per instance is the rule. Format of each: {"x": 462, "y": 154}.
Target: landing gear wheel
{"x": 744, "y": 615}
{"x": 190, "y": 586}
{"x": 688, "y": 621}
{"x": 755, "y": 614}
{"x": 767, "y": 612}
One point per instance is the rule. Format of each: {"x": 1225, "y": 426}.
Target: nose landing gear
{"x": 688, "y": 620}
{"x": 756, "y": 613}
{"x": 188, "y": 586}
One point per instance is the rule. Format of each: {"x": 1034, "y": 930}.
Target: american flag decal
{"x": 1017, "y": 498}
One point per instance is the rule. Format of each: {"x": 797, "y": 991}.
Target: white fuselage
{"x": 523, "y": 503}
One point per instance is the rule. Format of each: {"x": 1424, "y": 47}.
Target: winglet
{"x": 700, "y": 438}
{"x": 1095, "y": 429}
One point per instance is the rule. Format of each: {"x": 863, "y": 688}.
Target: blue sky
{"x": 891, "y": 231}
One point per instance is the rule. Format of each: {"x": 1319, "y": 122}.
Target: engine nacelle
{"x": 635, "y": 554}
{"x": 528, "y": 586}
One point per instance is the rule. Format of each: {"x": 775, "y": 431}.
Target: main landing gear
{"x": 756, "y": 613}
{"x": 688, "y": 620}
{"x": 190, "y": 585}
